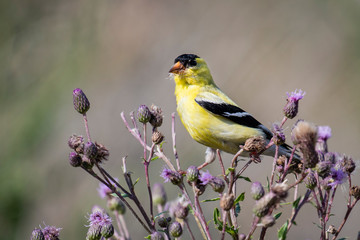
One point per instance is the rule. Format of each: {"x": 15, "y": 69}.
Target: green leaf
{"x": 216, "y": 217}
{"x": 158, "y": 215}
{"x": 317, "y": 225}
{"x": 161, "y": 144}
{"x": 123, "y": 195}
{"x": 343, "y": 238}
{"x": 211, "y": 200}
{"x": 154, "y": 158}
{"x": 229, "y": 170}
{"x": 245, "y": 178}
{"x": 240, "y": 198}
{"x": 136, "y": 182}
{"x": 283, "y": 231}
{"x": 148, "y": 237}
{"x": 267, "y": 184}
{"x": 237, "y": 209}
{"x": 276, "y": 216}
{"x": 296, "y": 203}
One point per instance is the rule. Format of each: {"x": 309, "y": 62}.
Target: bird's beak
{"x": 177, "y": 68}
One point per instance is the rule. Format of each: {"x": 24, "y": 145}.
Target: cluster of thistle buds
{"x": 46, "y": 233}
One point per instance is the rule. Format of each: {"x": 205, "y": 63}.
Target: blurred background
{"x": 119, "y": 53}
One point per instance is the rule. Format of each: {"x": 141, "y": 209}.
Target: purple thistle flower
{"x": 205, "y": 177}
{"x": 296, "y": 95}
{"x": 104, "y": 191}
{"x": 51, "y": 232}
{"x": 166, "y": 174}
{"x": 338, "y": 176}
{"x": 324, "y": 132}
{"x": 99, "y": 217}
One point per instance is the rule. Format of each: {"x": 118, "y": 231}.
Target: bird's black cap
{"x": 188, "y": 60}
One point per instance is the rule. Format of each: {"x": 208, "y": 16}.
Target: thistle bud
{"x": 163, "y": 222}
{"x": 77, "y": 143}
{"x": 116, "y": 205}
{"x": 255, "y": 144}
{"x": 181, "y": 211}
{"x": 355, "y": 192}
{"x": 292, "y": 105}
{"x": 227, "y": 201}
{"x": 94, "y": 232}
{"x": 81, "y": 103}
{"x": 107, "y": 230}
{"x": 143, "y": 114}
{"x": 257, "y": 190}
{"x": 192, "y": 174}
{"x": 347, "y": 164}
{"x": 156, "y": 236}
{"x": 75, "y": 159}
{"x": 175, "y": 229}
{"x": 268, "y": 221}
{"x": 323, "y": 168}
{"x": 159, "y": 194}
{"x": 156, "y": 116}
{"x": 310, "y": 180}
{"x": 217, "y": 184}
{"x": 90, "y": 150}
{"x": 37, "y": 234}
{"x": 326, "y": 183}
{"x": 172, "y": 176}
{"x": 278, "y": 135}
{"x": 157, "y": 137}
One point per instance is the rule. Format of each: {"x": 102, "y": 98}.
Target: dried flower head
{"x": 346, "y": 163}
{"x": 77, "y": 143}
{"x": 268, "y": 221}
{"x": 157, "y": 137}
{"x": 355, "y": 192}
{"x": 102, "y": 152}
{"x": 227, "y": 201}
{"x": 210, "y": 155}
{"x": 323, "y": 168}
{"x": 278, "y": 135}
{"x": 281, "y": 190}
{"x": 264, "y": 204}
{"x": 292, "y": 106}
{"x": 81, "y": 103}
{"x": 75, "y": 159}
{"x": 255, "y": 144}
{"x": 90, "y": 151}
{"x": 156, "y": 116}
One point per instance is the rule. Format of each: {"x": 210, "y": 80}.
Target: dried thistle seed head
{"x": 304, "y": 132}
{"x": 199, "y": 188}
{"x": 157, "y": 137}
{"x": 192, "y": 174}
{"x": 107, "y": 230}
{"x": 278, "y": 135}
{"x": 158, "y": 194}
{"x": 175, "y": 229}
{"x": 281, "y": 160}
{"x": 227, "y": 201}
{"x": 255, "y": 144}
{"x": 323, "y": 168}
{"x": 156, "y": 116}
{"x": 102, "y": 152}
{"x": 75, "y": 159}
{"x": 37, "y": 234}
{"x": 181, "y": 211}
{"x": 355, "y": 192}
{"x": 143, "y": 114}
{"x": 77, "y": 143}
{"x": 257, "y": 190}
{"x": 156, "y": 236}
{"x": 331, "y": 229}
{"x": 268, "y": 221}
{"x": 116, "y": 205}
{"x": 281, "y": 190}
{"x": 81, "y": 103}
{"x": 263, "y": 205}
{"x": 292, "y": 105}
{"x": 87, "y": 163}
{"x": 162, "y": 222}
{"x": 90, "y": 150}
{"x": 310, "y": 180}
{"x": 217, "y": 184}
{"x": 347, "y": 163}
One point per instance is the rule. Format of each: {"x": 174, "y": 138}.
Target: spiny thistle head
{"x": 75, "y": 159}
{"x": 81, "y": 103}
{"x": 323, "y": 168}
{"x": 172, "y": 176}
{"x": 227, "y": 201}
{"x": 181, "y": 211}
{"x": 346, "y": 163}
{"x": 51, "y": 233}
{"x": 263, "y": 205}
{"x": 217, "y": 184}
{"x": 159, "y": 194}
{"x": 175, "y": 229}
{"x": 192, "y": 174}
{"x": 156, "y": 116}
{"x": 257, "y": 190}
{"x": 278, "y": 135}
{"x": 37, "y": 234}
{"x": 99, "y": 217}
{"x": 281, "y": 190}
{"x": 102, "y": 152}
{"x": 310, "y": 180}
{"x": 94, "y": 233}
{"x": 255, "y": 144}
{"x": 292, "y": 106}
{"x": 143, "y": 114}
{"x": 156, "y": 236}
{"x": 157, "y": 137}
{"x": 163, "y": 222}
{"x": 355, "y": 192}
{"x": 107, "y": 230}
{"x": 90, "y": 151}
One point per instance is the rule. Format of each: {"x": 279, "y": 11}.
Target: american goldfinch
{"x": 211, "y": 117}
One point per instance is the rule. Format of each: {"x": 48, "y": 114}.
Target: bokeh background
{"x": 119, "y": 53}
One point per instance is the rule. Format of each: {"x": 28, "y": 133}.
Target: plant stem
{"x": 87, "y": 127}
{"x": 173, "y": 134}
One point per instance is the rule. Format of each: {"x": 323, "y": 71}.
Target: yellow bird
{"x": 210, "y": 116}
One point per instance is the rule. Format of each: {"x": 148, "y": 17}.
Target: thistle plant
{"x": 311, "y": 168}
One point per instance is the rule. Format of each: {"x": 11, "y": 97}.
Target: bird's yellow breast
{"x": 211, "y": 130}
